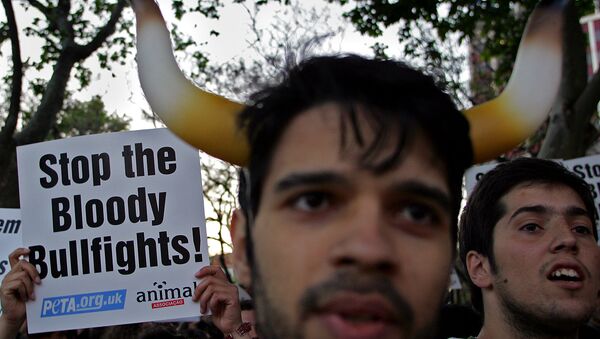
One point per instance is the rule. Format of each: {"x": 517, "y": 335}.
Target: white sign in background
{"x": 587, "y": 168}
{"x": 10, "y": 237}
{"x": 115, "y": 225}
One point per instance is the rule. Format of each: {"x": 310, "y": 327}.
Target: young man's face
{"x": 547, "y": 260}
{"x": 342, "y": 252}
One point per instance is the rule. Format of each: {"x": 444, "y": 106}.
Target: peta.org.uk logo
{"x": 83, "y": 303}
{"x": 162, "y": 296}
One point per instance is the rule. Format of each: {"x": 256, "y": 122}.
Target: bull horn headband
{"x": 208, "y": 121}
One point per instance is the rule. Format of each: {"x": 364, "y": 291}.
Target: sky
{"x": 120, "y": 89}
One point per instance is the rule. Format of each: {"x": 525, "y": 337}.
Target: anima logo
{"x": 162, "y": 296}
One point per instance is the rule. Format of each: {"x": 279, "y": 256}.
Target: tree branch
{"x": 589, "y": 98}
{"x": 58, "y": 19}
{"x": 61, "y": 20}
{"x": 40, "y": 7}
{"x": 10, "y": 122}
{"x": 45, "y": 115}
{"x": 103, "y": 33}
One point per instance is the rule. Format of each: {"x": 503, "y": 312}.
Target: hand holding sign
{"x": 219, "y": 296}
{"x": 16, "y": 289}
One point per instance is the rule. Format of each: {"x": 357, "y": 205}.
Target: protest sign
{"x": 115, "y": 225}
{"x": 10, "y": 237}
{"x": 588, "y": 168}
{"x": 473, "y": 174}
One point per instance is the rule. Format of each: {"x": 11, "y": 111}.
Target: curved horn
{"x": 205, "y": 120}
{"x": 208, "y": 121}
{"x": 502, "y": 123}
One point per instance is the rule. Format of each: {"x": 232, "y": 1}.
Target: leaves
{"x": 498, "y": 24}
{"x": 87, "y": 117}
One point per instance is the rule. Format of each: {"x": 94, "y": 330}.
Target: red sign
{"x": 168, "y": 303}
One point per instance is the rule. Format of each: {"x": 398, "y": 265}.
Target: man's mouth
{"x": 565, "y": 274}
{"x": 358, "y": 306}
{"x": 354, "y": 316}
{"x": 568, "y": 276}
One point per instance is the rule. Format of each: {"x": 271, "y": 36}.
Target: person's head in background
{"x": 528, "y": 241}
{"x": 351, "y": 195}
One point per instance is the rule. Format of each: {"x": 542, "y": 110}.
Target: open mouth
{"x": 565, "y": 274}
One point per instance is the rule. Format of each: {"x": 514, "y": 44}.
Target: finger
{"x": 218, "y": 303}
{"x": 220, "y": 274}
{"x": 211, "y": 280}
{"x": 17, "y": 281}
{"x": 205, "y": 297}
{"x": 216, "y": 295}
{"x": 14, "y": 256}
{"x": 208, "y": 271}
{"x": 22, "y": 292}
{"x": 28, "y": 283}
{"x": 16, "y": 289}
{"x": 31, "y": 271}
{"x": 221, "y": 299}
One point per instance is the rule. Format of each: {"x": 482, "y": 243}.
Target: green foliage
{"x": 378, "y": 49}
{"x": 208, "y": 8}
{"x": 499, "y": 23}
{"x": 87, "y": 117}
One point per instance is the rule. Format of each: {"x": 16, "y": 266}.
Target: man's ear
{"x": 239, "y": 238}
{"x": 478, "y": 267}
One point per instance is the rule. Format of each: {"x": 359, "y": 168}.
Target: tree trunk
{"x": 35, "y": 131}
{"x": 569, "y": 122}
{"x": 9, "y": 188}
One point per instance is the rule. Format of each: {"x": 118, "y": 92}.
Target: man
{"x": 528, "y": 241}
{"x": 353, "y": 186}
{"x": 354, "y": 169}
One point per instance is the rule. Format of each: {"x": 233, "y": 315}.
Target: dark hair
{"x": 246, "y": 304}
{"x": 484, "y": 207}
{"x": 203, "y": 329}
{"x": 399, "y": 102}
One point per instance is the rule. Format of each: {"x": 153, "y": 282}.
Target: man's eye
{"x": 531, "y": 227}
{"x": 582, "y": 230}
{"x": 417, "y": 213}
{"x": 312, "y": 201}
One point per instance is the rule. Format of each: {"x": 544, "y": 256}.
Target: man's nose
{"x": 365, "y": 244}
{"x": 563, "y": 238}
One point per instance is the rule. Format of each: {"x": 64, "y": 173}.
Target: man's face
{"x": 547, "y": 260}
{"x": 342, "y": 252}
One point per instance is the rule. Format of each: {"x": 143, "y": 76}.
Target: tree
{"x": 87, "y": 117}
{"x": 220, "y": 191}
{"x": 496, "y": 26}
{"x": 71, "y": 33}
{"x": 294, "y": 33}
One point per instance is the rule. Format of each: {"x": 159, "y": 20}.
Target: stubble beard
{"x": 273, "y": 324}
{"x": 270, "y": 320}
{"x": 536, "y": 321}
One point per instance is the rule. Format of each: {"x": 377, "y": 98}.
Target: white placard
{"x": 588, "y": 168}
{"x": 474, "y": 173}
{"x": 10, "y": 238}
{"x": 115, "y": 225}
